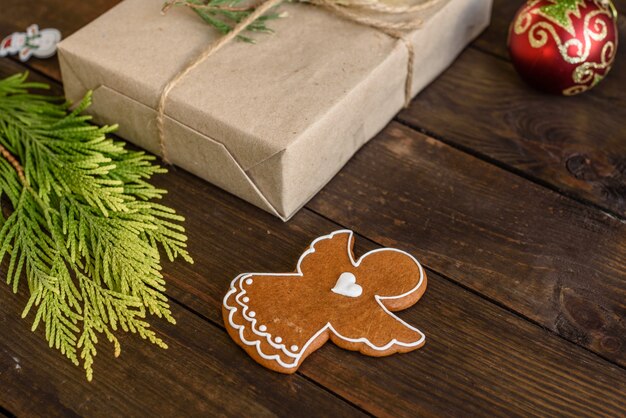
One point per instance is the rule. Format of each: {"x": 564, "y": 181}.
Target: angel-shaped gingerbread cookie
{"x": 279, "y": 319}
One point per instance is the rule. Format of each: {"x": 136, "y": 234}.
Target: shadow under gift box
{"x": 270, "y": 122}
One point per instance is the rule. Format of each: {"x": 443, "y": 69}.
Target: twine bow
{"x": 368, "y": 13}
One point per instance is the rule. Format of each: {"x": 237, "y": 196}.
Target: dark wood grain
{"x": 575, "y": 145}
{"x": 459, "y": 216}
{"x": 202, "y": 373}
{"x": 547, "y": 257}
{"x": 479, "y": 359}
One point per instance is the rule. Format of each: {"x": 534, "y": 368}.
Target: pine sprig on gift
{"x": 79, "y": 224}
{"x": 223, "y": 15}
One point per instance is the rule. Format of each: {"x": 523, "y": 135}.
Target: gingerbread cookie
{"x": 279, "y": 319}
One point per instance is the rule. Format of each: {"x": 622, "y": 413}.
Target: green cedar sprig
{"x": 80, "y": 224}
{"x": 223, "y": 15}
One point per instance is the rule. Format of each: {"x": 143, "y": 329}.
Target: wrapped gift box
{"x": 270, "y": 122}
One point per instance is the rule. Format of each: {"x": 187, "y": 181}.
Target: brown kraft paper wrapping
{"x": 271, "y": 122}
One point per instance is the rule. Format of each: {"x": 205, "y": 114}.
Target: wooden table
{"x": 515, "y": 202}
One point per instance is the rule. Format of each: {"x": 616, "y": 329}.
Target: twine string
{"x": 345, "y": 10}
{"x": 207, "y": 52}
{"x": 349, "y": 13}
{"x": 378, "y": 7}
{"x": 6, "y": 154}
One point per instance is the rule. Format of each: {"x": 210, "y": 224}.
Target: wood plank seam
{"x": 474, "y": 155}
{"x": 334, "y": 222}
{"x": 590, "y": 165}
{"x": 491, "y": 53}
{"x": 511, "y": 169}
{"x": 5, "y": 412}
{"x": 546, "y": 285}
{"x": 221, "y": 327}
{"x": 337, "y": 395}
{"x": 483, "y": 296}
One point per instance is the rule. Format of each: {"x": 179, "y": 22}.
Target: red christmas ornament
{"x": 564, "y": 46}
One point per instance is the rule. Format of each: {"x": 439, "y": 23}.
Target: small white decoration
{"x": 33, "y": 42}
{"x": 346, "y": 286}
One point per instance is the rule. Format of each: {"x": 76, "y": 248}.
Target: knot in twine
{"x": 367, "y": 13}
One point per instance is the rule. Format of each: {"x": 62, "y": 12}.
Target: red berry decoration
{"x": 564, "y": 46}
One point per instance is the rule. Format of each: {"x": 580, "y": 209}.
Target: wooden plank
{"x": 575, "y": 145}
{"x": 457, "y": 379}
{"x": 479, "y": 359}
{"x": 201, "y": 374}
{"x": 66, "y": 16}
{"x": 547, "y": 257}
{"x": 221, "y": 232}
{"x": 511, "y": 369}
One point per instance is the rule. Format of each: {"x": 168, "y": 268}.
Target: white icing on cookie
{"x": 346, "y": 286}
{"x": 297, "y": 356}
{"x": 244, "y": 308}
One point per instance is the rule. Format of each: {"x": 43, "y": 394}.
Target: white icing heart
{"x": 346, "y": 286}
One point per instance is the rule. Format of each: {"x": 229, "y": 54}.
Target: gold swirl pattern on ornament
{"x": 539, "y": 33}
{"x": 594, "y": 29}
{"x": 588, "y": 71}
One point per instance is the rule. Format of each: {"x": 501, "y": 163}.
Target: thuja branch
{"x": 83, "y": 228}
{"x": 206, "y": 7}
{"x": 223, "y": 15}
